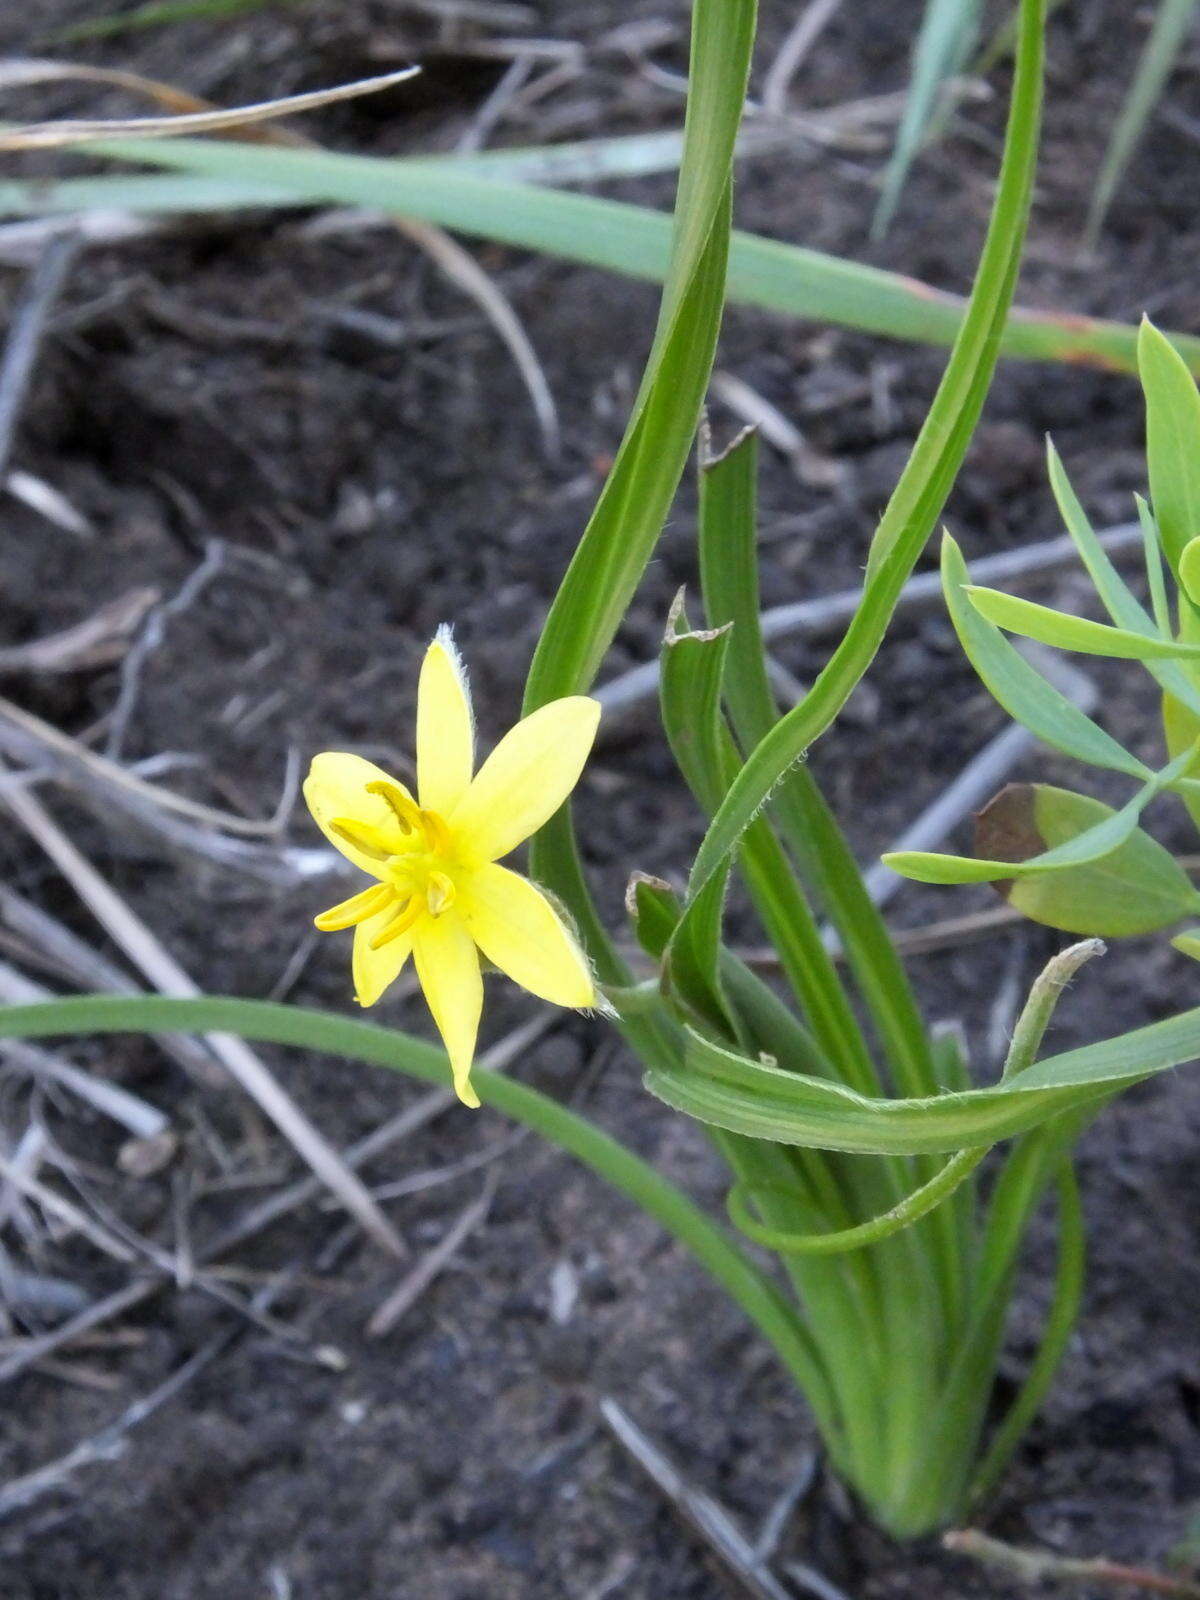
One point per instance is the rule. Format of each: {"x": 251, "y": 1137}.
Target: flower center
{"x": 415, "y": 856}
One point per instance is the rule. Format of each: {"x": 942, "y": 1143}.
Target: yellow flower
{"x": 439, "y": 892}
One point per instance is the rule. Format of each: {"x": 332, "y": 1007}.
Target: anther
{"x": 436, "y": 832}
{"x": 372, "y": 841}
{"x": 357, "y": 909}
{"x": 401, "y": 923}
{"x": 403, "y": 807}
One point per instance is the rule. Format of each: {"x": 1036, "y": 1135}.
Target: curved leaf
{"x": 1066, "y": 632}
{"x": 718, "y": 1086}
{"x": 269, "y": 1023}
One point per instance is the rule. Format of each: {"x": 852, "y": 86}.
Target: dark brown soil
{"x": 198, "y": 387}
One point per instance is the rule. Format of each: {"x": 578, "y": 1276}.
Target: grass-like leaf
{"x": 753, "y": 1097}
{"x": 923, "y": 485}
{"x": 627, "y": 520}
{"x": 838, "y": 1118}
{"x": 693, "y": 666}
{"x": 947, "y": 36}
{"x": 494, "y": 195}
{"x": 1022, "y": 691}
{"x": 629, "y": 515}
{"x": 1172, "y": 21}
{"x": 1079, "y": 634}
{"x": 353, "y": 1040}
{"x": 925, "y": 482}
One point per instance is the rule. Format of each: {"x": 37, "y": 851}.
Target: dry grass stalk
{"x": 147, "y": 954}
{"x": 186, "y": 120}
{"x": 415, "y": 1283}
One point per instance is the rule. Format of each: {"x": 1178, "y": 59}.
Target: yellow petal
{"x": 448, "y": 967}
{"x": 526, "y": 778}
{"x": 519, "y": 931}
{"x": 336, "y": 787}
{"x": 445, "y": 730}
{"x": 376, "y": 970}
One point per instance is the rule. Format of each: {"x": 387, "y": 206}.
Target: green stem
{"x": 1064, "y": 1309}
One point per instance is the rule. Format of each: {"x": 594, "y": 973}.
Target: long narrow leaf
{"x": 718, "y": 1086}
{"x": 856, "y": 1122}
{"x": 925, "y": 482}
{"x": 1067, "y": 632}
{"x": 629, "y": 516}
{"x": 632, "y": 508}
{"x": 352, "y": 1040}
{"x": 729, "y": 572}
{"x": 1022, "y": 691}
{"x": 494, "y": 196}
{"x": 948, "y": 33}
{"x": 1172, "y": 20}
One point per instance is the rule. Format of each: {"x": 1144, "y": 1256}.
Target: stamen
{"x": 364, "y": 836}
{"x": 439, "y": 893}
{"x": 436, "y": 832}
{"x": 404, "y": 807}
{"x": 401, "y": 923}
{"x": 357, "y": 909}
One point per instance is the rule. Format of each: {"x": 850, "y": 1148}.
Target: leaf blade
{"x": 1063, "y": 631}
{"x": 1022, "y": 691}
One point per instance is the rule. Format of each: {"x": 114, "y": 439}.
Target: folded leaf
{"x": 1137, "y": 888}
{"x": 690, "y": 682}
{"x": 721, "y": 1087}
{"x": 654, "y": 908}
{"x": 1035, "y": 844}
